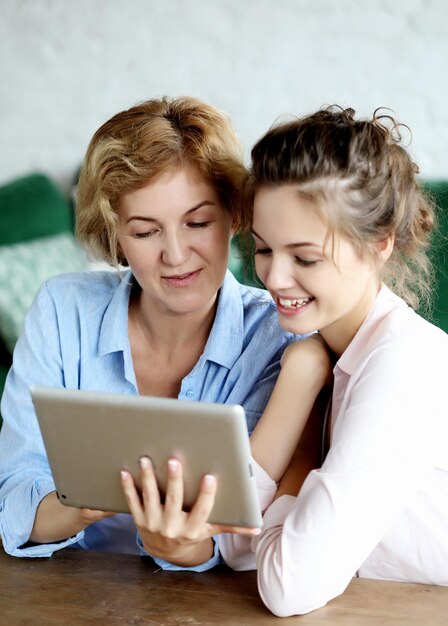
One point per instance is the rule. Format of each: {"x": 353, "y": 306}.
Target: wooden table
{"x": 77, "y": 587}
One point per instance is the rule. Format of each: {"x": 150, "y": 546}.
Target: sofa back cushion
{"x": 439, "y": 254}
{"x": 31, "y": 207}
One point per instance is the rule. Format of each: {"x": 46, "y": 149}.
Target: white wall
{"x": 68, "y": 65}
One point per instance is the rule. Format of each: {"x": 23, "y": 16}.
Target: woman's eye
{"x": 199, "y": 224}
{"x": 304, "y": 262}
{"x": 148, "y": 233}
{"x": 262, "y": 251}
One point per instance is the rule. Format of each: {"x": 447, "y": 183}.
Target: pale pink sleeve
{"x": 381, "y": 454}
{"x": 236, "y": 550}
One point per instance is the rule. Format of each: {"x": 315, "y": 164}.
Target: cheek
{"x": 218, "y": 240}
{"x": 261, "y": 267}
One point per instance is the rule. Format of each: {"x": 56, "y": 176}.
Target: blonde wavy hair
{"x": 128, "y": 151}
{"x": 363, "y": 184}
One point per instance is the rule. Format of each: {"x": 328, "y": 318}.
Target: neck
{"x": 167, "y": 332}
{"x": 340, "y": 333}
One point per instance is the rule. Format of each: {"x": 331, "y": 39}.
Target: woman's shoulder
{"x": 405, "y": 346}
{"x": 258, "y": 305}
{"x": 256, "y": 296}
{"x": 392, "y": 323}
{"x": 407, "y": 327}
{"x": 93, "y": 281}
{"x": 92, "y": 289}
{"x": 396, "y": 342}
{"x": 236, "y": 294}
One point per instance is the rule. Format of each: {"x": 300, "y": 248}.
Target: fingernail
{"x": 209, "y": 479}
{"x": 256, "y": 531}
{"x": 123, "y": 474}
{"x": 173, "y": 464}
{"x": 144, "y": 462}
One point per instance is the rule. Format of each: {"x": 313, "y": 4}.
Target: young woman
{"x": 341, "y": 229}
{"x": 158, "y": 192}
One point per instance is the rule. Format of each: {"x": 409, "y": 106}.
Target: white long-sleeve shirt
{"x": 378, "y": 507}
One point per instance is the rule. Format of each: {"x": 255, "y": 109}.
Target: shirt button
{"x": 189, "y": 394}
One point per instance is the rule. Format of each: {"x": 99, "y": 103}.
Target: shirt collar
{"x": 225, "y": 342}
{"x": 114, "y": 328}
{"x": 384, "y": 303}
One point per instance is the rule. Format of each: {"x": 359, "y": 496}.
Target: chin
{"x": 192, "y": 306}
{"x": 294, "y": 326}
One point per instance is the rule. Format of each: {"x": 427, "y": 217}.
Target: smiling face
{"x": 317, "y": 282}
{"x": 175, "y": 235}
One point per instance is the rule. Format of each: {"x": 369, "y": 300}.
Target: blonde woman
{"x": 158, "y": 192}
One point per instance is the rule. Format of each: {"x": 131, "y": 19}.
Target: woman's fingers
{"x": 132, "y": 497}
{"x": 217, "y": 529}
{"x": 174, "y": 497}
{"x": 93, "y": 515}
{"x": 169, "y": 520}
{"x": 147, "y": 509}
{"x": 200, "y": 512}
{"x": 152, "y": 506}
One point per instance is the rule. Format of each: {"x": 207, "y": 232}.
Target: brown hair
{"x": 361, "y": 164}
{"x": 134, "y": 146}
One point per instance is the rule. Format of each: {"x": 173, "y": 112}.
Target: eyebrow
{"x": 299, "y": 244}
{"x": 146, "y": 218}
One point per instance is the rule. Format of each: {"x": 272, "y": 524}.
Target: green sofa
{"x": 439, "y": 253}
{"x": 36, "y": 240}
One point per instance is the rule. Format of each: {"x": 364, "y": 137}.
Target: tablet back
{"x": 89, "y": 436}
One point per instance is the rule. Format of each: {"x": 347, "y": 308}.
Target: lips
{"x": 182, "y": 280}
{"x": 292, "y": 306}
{"x": 293, "y": 303}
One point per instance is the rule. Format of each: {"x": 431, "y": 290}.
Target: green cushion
{"x": 3, "y": 374}
{"x": 241, "y": 263}
{"x": 23, "y": 268}
{"x": 32, "y": 207}
{"x": 439, "y": 253}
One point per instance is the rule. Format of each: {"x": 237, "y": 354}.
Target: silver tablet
{"x": 90, "y": 436}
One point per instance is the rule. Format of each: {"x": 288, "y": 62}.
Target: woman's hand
{"x": 314, "y": 353}
{"x": 179, "y": 537}
{"x": 90, "y": 516}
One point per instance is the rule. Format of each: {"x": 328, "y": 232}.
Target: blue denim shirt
{"x": 76, "y": 336}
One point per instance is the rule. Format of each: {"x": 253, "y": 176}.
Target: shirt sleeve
{"x": 202, "y": 567}
{"x": 311, "y": 546}
{"x": 258, "y": 393}
{"x": 25, "y": 476}
{"x": 238, "y": 551}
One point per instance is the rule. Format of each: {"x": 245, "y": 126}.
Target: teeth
{"x": 293, "y": 304}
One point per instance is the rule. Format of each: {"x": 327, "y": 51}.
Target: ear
{"x": 385, "y": 247}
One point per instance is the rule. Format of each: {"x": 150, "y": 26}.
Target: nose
{"x": 279, "y": 276}
{"x": 174, "y": 248}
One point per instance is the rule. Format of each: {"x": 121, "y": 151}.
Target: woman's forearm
{"x": 308, "y": 454}
{"x": 55, "y": 521}
{"x": 304, "y": 373}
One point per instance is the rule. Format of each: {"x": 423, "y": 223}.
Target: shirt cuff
{"x": 202, "y": 567}
{"x": 266, "y": 487}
